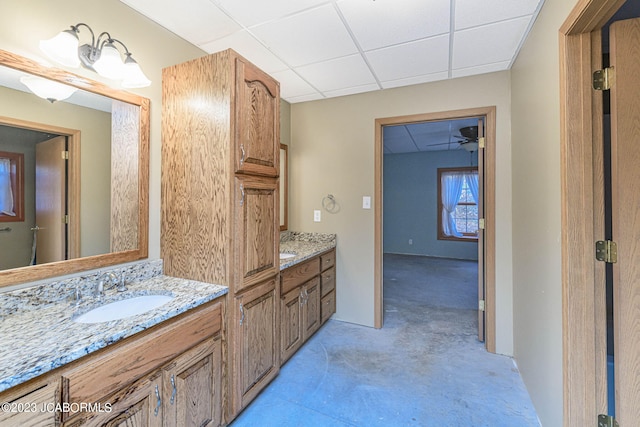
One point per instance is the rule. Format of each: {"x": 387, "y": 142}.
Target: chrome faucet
{"x": 109, "y": 280}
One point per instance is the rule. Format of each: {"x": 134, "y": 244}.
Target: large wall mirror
{"x": 84, "y": 181}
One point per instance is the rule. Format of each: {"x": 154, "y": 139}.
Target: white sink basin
{"x": 123, "y": 308}
{"x": 286, "y": 256}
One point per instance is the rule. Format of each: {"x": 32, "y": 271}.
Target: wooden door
{"x": 256, "y": 360}
{"x": 290, "y": 323}
{"x": 481, "y": 277}
{"x": 192, "y": 386}
{"x": 257, "y": 126}
{"x": 625, "y": 180}
{"x": 257, "y": 234}
{"x": 50, "y": 200}
{"x": 138, "y": 405}
{"x": 310, "y": 307}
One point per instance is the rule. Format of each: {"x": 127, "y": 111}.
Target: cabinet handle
{"x": 173, "y": 393}
{"x": 242, "y": 154}
{"x": 241, "y": 194}
{"x": 242, "y": 314}
{"x": 158, "y": 402}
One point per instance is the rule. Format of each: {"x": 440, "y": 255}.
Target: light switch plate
{"x": 316, "y": 216}
{"x": 366, "y": 202}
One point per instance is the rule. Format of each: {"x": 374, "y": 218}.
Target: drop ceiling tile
{"x": 481, "y": 69}
{"x": 292, "y": 40}
{"x": 337, "y": 73}
{"x": 246, "y": 45}
{"x": 394, "y": 132}
{"x": 396, "y": 22}
{"x": 488, "y": 44}
{"x": 434, "y": 77}
{"x": 292, "y": 85}
{"x": 249, "y": 13}
{"x": 351, "y": 90}
{"x": 421, "y": 57}
{"x": 471, "y": 13}
{"x": 304, "y": 98}
{"x": 399, "y": 145}
{"x": 191, "y": 20}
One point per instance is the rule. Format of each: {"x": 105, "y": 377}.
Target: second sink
{"x": 123, "y": 308}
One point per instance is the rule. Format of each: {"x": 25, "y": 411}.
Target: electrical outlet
{"x": 411, "y": 241}
{"x": 316, "y": 216}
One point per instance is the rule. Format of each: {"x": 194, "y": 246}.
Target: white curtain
{"x": 451, "y": 189}
{"x": 472, "y": 182}
{"x": 6, "y": 195}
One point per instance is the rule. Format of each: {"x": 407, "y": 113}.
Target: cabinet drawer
{"x": 328, "y": 280}
{"x": 125, "y": 363}
{"x": 328, "y": 260}
{"x": 328, "y": 306}
{"x": 298, "y": 274}
{"x": 25, "y": 408}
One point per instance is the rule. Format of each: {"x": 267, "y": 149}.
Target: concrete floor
{"x": 425, "y": 367}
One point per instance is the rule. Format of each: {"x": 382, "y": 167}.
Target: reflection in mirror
{"x": 85, "y": 175}
{"x": 284, "y": 187}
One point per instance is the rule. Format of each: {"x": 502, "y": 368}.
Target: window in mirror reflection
{"x": 11, "y": 186}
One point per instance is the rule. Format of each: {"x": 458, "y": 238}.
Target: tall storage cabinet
{"x": 220, "y": 202}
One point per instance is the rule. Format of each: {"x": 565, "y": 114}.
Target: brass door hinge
{"x": 607, "y": 421}
{"x": 481, "y": 223}
{"x": 481, "y": 143}
{"x": 65, "y": 155}
{"x": 66, "y": 219}
{"x": 603, "y": 79}
{"x": 607, "y": 251}
{"x": 481, "y": 305}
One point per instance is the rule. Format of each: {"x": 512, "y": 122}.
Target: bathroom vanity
{"x": 144, "y": 368}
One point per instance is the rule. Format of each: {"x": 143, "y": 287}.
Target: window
{"x": 458, "y": 204}
{"x": 11, "y": 187}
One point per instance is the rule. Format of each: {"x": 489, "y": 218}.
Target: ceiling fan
{"x": 468, "y": 139}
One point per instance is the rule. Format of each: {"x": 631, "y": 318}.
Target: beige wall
{"x": 24, "y": 24}
{"x": 537, "y": 302}
{"x": 332, "y": 152}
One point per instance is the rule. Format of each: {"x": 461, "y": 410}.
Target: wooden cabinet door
{"x": 290, "y": 323}
{"x": 255, "y": 354}
{"x": 138, "y": 405}
{"x": 310, "y": 308}
{"x": 257, "y": 125}
{"x": 257, "y": 235}
{"x": 192, "y": 385}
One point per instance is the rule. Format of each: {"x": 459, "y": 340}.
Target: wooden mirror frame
{"x": 36, "y": 272}
{"x": 284, "y": 187}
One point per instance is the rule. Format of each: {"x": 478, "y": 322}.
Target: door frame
{"x": 73, "y": 177}
{"x": 582, "y": 210}
{"x": 489, "y": 199}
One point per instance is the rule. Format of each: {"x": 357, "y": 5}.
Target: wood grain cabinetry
{"x": 169, "y": 377}
{"x": 31, "y": 405}
{"x": 307, "y": 300}
{"x": 220, "y": 202}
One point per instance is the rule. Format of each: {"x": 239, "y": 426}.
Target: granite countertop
{"x": 39, "y": 333}
{"x": 304, "y": 246}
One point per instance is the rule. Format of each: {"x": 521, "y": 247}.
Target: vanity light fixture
{"x": 101, "y": 56}
{"x": 47, "y": 89}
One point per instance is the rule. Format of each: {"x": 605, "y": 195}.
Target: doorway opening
{"x": 49, "y": 230}
{"x": 465, "y": 228}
